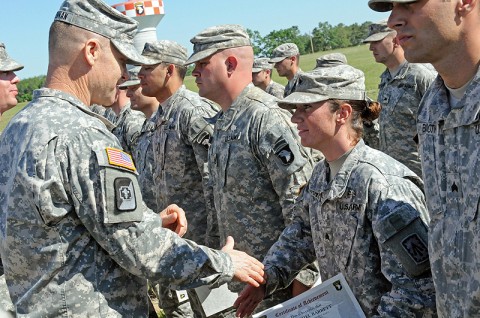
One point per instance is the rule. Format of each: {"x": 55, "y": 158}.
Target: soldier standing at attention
{"x": 257, "y": 165}
{"x": 445, "y": 34}
{"x": 362, "y": 213}
{"x": 8, "y": 80}
{"x": 286, "y": 60}
{"x": 76, "y": 238}
{"x": 262, "y": 77}
{"x": 401, "y": 89}
{"x": 180, "y": 144}
{"x": 143, "y": 154}
{"x": 8, "y": 99}
{"x": 128, "y": 122}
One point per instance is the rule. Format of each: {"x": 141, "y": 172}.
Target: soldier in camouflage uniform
{"x": 286, "y": 60}
{"x": 401, "y": 89}
{"x": 8, "y": 80}
{"x": 445, "y": 34}
{"x": 76, "y": 238}
{"x": 143, "y": 154}
{"x": 128, "y": 122}
{"x": 257, "y": 165}
{"x": 8, "y": 99}
{"x": 362, "y": 213}
{"x": 370, "y": 128}
{"x": 261, "y": 77}
{"x": 180, "y": 144}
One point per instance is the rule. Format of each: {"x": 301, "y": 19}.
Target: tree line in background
{"x": 324, "y": 37}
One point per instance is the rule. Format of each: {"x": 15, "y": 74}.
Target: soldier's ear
{"x": 466, "y": 6}
{"x": 91, "y": 51}
{"x": 231, "y": 63}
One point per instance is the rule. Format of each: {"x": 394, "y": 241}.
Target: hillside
{"x": 358, "y": 56}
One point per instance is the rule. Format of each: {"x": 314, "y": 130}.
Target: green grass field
{"x": 358, "y": 56}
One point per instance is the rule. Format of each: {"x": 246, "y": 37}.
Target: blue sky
{"x": 25, "y": 26}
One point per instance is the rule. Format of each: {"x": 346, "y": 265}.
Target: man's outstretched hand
{"x": 247, "y": 269}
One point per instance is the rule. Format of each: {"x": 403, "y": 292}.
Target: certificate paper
{"x": 331, "y": 299}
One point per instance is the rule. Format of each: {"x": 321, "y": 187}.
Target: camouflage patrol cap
{"x": 98, "y": 17}
{"x": 7, "y": 64}
{"x": 332, "y": 59}
{"x": 378, "y": 31}
{"x": 260, "y": 64}
{"x": 216, "y": 38}
{"x": 164, "y": 51}
{"x": 132, "y": 78}
{"x": 283, "y": 51}
{"x": 338, "y": 82}
{"x": 385, "y": 5}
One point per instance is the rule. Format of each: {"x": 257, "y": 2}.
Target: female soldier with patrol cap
{"x": 362, "y": 213}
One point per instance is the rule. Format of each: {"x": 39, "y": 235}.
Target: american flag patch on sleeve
{"x": 117, "y": 157}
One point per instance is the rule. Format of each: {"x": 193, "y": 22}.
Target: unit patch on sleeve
{"x": 415, "y": 248}
{"x": 285, "y": 155}
{"x": 125, "y": 194}
{"x": 117, "y": 157}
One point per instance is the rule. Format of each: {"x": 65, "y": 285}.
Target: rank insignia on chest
{"x": 125, "y": 194}
{"x": 119, "y": 158}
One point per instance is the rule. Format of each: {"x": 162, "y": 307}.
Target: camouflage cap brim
{"x": 295, "y": 98}
{"x": 195, "y": 57}
{"x": 130, "y": 52}
{"x": 376, "y": 37}
{"x": 7, "y": 64}
{"x": 129, "y": 83}
{"x": 277, "y": 59}
{"x": 256, "y": 69}
{"x": 385, "y": 5}
{"x": 10, "y": 66}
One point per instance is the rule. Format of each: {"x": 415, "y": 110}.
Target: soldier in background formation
{"x": 445, "y": 34}
{"x": 76, "y": 237}
{"x": 128, "y": 122}
{"x": 8, "y": 80}
{"x": 262, "y": 77}
{"x": 401, "y": 89}
{"x": 286, "y": 60}
{"x": 143, "y": 152}
{"x": 257, "y": 165}
{"x": 180, "y": 148}
{"x": 356, "y": 209}
{"x": 8, "y": 99}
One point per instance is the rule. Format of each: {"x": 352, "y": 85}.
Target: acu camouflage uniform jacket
{"x": 180, "y": 147}
{"x": 76, "y": 238}
{"x": 400, "y": 98}
{"x": 449, "y": 147}
{"x": 352, "y": 225}
{"x": 257, "y": 168}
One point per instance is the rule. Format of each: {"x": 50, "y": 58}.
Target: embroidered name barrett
{"x": 117, "y": 157}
